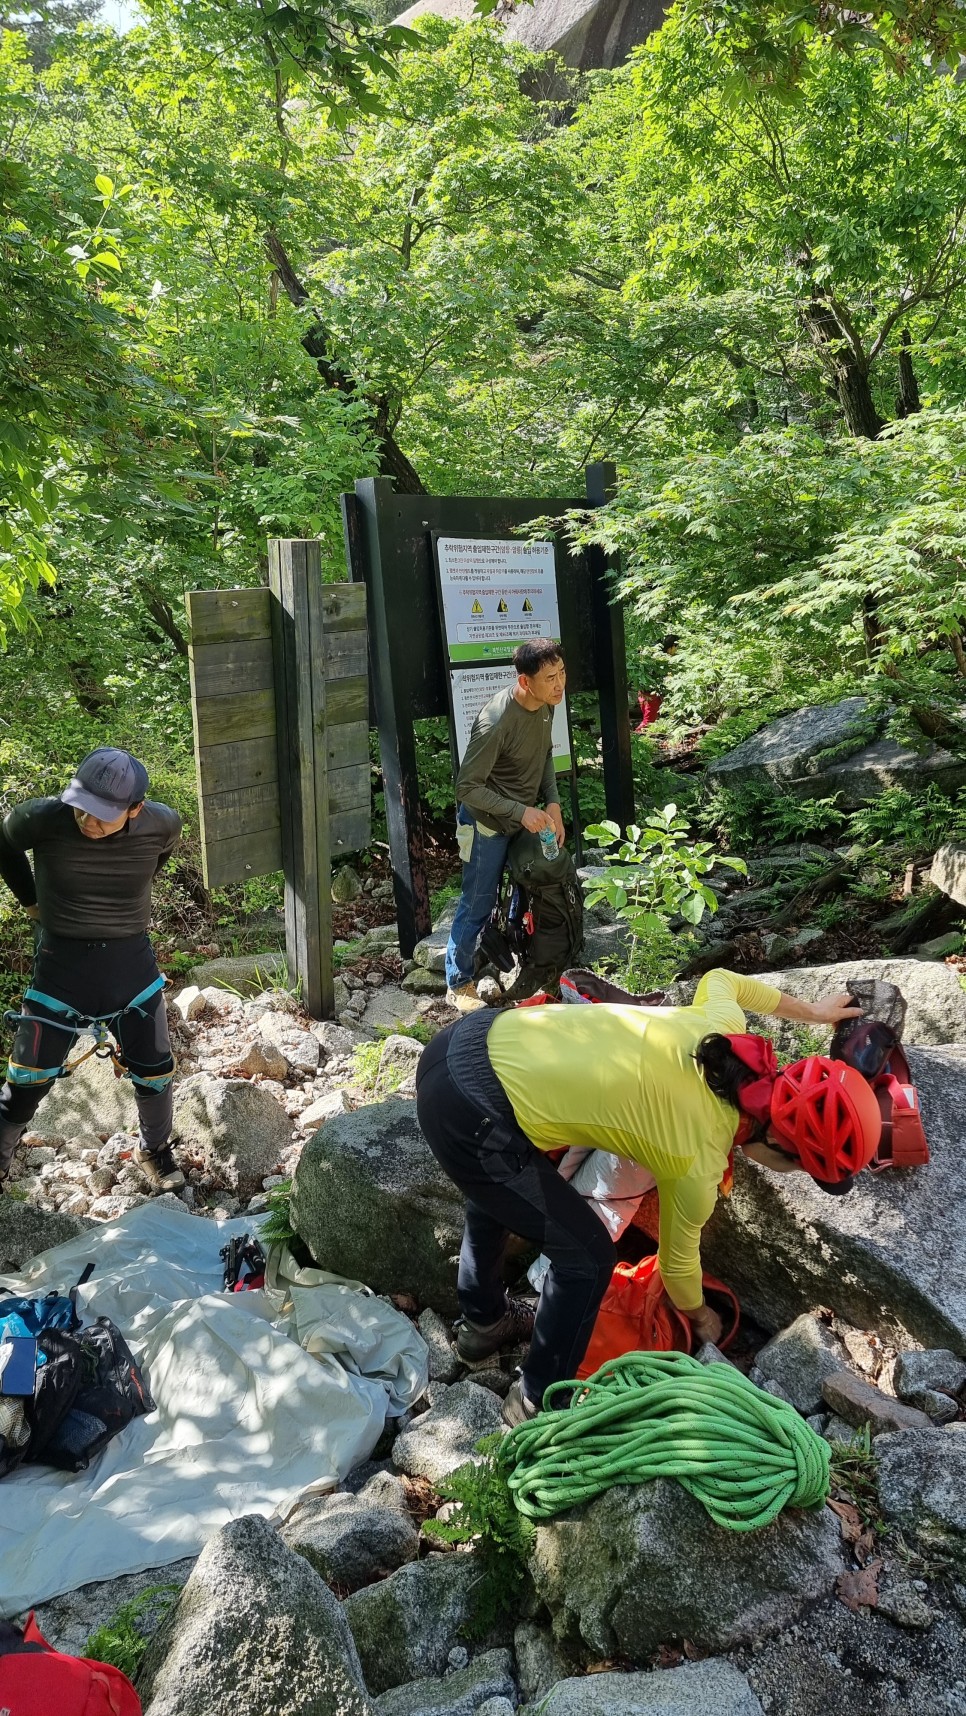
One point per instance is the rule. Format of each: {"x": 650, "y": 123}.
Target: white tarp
{"x": 246, "y": 1419}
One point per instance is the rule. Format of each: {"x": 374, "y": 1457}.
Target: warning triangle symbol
{"x": 476, "y": 608}
{"x": 501, "y": 607}
{"x": 528, "y": 606}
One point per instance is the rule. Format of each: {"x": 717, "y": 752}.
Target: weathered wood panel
{"x": 247, "y": 762}
{"x": 346, "y": 654}
{"x": 347, "y": 701}
{"x": 228, "y": 720}
{"x": 238, "y": 744}
{"x": 347, "y": 743}
{"x": 298, "y": 643}
{"x": 349, "y": 788}
{"x": 240, "y": 810}
{"x": 228, "y": 616}
{"x": 344, "y": 607}
{"x": 224, "y": 669}
{"x": 242, "y": 856}
{"x": 350, "y": 830}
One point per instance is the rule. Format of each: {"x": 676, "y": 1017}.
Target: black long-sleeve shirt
{"x": 86, "y": 890}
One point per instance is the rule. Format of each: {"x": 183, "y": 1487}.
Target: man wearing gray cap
{"x": 96, "y": 851}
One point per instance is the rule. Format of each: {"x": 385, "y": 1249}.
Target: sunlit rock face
{"x": 587, "y": 34}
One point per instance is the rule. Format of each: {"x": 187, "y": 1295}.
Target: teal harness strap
{"x": 16, "y": 1074}
{"x": 85, "y": 1020}
{"x": 100, "y": 1024}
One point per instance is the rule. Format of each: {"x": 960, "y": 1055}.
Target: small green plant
{"x": 657, "y": 872}
{"x": 487, "y": 1518}
{"x": 348, "y": 953}
{"x": 420, "y": 1030}
{"x": 121, "y": 1640}
{"x": 802, "y": 1042}
{"x": 180, "y": 963}
{"x": 653, "y": 962}
{"x": 442, "y": 897}
{"x": 277, "y": 1229}
{"x": 853, "y": 1470}
{"x": 365, "y": 1065}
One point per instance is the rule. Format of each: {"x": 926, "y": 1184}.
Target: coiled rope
{"x": 743, "y": 1454}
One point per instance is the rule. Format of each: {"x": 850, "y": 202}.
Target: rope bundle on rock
{"x": 741, "y": 1452}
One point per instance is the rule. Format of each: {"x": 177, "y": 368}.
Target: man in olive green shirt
{"x": 506, "y": 772}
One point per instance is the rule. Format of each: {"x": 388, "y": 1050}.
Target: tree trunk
{"x": 849, "y": 375}
{"x": 907, "y": 399}
{"x": 92, "y": 696}
{"x": 393, "y": 462}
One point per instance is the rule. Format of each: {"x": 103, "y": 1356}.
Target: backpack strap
{"x": 903, "y": 1142}
{"x": 82, "y": 1278}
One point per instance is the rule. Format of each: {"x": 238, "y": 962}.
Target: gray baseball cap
{"x": 106, "y": 784}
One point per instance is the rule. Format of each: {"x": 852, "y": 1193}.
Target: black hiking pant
{"x": 512, "y": 1187}
{"x": 94, "y": 978}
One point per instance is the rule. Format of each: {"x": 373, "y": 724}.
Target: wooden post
{"x": 394, "y": 677}
{"x": 298, "y": 648}
{"x": 610, "y": 666}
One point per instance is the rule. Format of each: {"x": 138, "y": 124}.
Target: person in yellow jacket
{"x": 672, "y": 1088}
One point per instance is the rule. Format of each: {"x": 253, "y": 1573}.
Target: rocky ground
{"x": 636, "y": 1602}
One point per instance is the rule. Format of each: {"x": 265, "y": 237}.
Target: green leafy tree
{"x": 45, "y": 24}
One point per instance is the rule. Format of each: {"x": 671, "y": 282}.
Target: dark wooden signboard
{"x": 389, "y": 549}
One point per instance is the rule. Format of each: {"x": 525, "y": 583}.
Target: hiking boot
{"x": 159, "y": 1168}
{"x": 464, "y": 999}
{"x": 517, "y": 1408}
{"x": 476, "y": 1342}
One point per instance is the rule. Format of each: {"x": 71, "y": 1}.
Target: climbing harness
{"x": 742, "y": 1453}
{"x": 99, "y": 1024}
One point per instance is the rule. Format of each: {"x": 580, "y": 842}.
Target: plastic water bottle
{"x": 548, "y": 841}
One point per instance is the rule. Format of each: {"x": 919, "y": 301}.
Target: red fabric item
{"x": 649, "y": 704}
{"x": 758, "y": 1056}
{"x": 48, "y": 1683}
{"x": 636, "y": 1316}
{"x": 903, "y": 1142}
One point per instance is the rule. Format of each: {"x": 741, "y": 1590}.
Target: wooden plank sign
{"x": 280, "y": 701}
{"x": 236, "y": 753}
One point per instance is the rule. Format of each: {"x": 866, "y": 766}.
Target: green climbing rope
{"x": 741, "y": 1452}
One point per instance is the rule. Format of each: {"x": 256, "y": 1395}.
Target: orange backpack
{"x": 636, "y": 1316}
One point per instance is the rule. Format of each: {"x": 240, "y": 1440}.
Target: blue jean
{"x": 481, "y": 887}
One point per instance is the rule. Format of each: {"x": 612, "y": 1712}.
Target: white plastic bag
{"x": 614, "y": 1185}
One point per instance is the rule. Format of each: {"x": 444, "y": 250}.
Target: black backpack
{"x": 541, "y": 911}
{"x": 88, "y": 1389}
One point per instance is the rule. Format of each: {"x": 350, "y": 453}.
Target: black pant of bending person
{"x": 511, "y": 1187}
{"x": 96, "y": 978}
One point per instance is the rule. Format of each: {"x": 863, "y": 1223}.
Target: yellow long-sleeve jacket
{"x": 624, "y": 1079}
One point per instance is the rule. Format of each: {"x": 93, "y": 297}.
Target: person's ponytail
{"x": 724, "y": 1073}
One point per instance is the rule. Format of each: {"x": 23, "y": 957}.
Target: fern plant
{"x": 122, "y": 1641}
{"x": 487, "y": 1518}
{"x": 276, "y": 1228}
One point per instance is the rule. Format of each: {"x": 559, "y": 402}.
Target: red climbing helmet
{"x": 829, "y": 1115}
